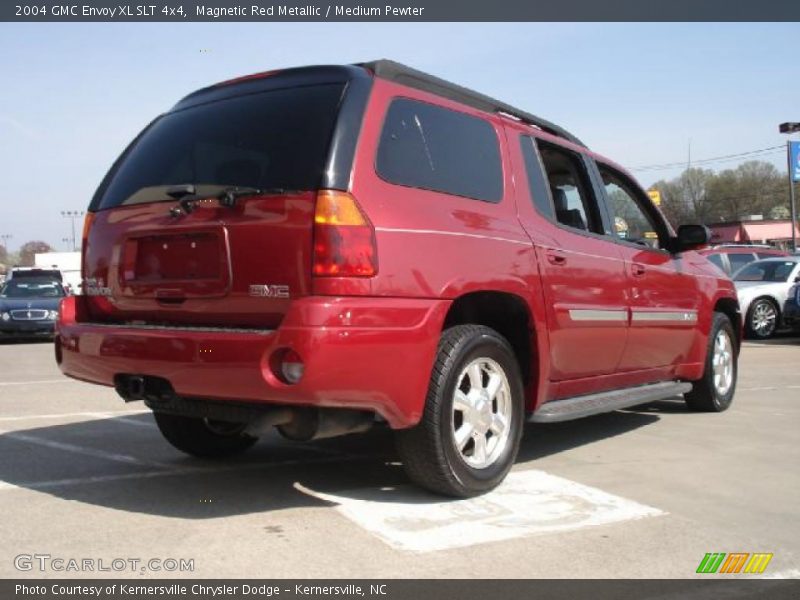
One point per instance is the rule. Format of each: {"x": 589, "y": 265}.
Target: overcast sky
{"x": 73, "y": 95}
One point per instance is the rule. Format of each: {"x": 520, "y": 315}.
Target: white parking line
{"x": 528, "y": 503}
{"x": 39, "y": 382}
{"x": 770, "y": 388}
{"x": 101, "y": 415}
{"x": 102, "y": 454}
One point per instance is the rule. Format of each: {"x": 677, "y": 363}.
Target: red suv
{"x": 320, "y": 248}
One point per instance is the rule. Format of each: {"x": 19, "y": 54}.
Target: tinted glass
{"x": 738, "y": 260}
{"x": 717, "y": 260}
{"x": 433, "y": 148}
{"x": 537, "y": 184}
{"x": 631, "y": 221}
{"x": 275, "y": 139}
{"x": 575, "y": 205}
{"x": 32, "y": 288}
{"x": 772, "y": 271}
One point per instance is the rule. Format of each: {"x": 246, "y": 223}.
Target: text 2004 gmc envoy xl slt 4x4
{"x": 319, "y": 248}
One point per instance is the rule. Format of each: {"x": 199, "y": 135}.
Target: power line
{"x": 727, "y": 157}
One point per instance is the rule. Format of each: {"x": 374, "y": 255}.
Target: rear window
{"x": 434, "y": 148}
{"x": 274, "y": 139}
{"x": 768, "y": 271}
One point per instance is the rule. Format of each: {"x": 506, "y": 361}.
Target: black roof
{"x": 399, "y": 73}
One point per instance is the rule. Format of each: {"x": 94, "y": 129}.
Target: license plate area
{"x": 182, "y": 264}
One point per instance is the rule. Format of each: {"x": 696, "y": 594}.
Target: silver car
{"x": 763, "y": 287}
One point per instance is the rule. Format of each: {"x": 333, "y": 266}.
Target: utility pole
{"x": 793, "y": 164}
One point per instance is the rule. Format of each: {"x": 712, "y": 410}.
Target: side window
{"x": 717, "y": 260}
{"x": 537, "y": 184}
{"x": 740, "y": 259}
{"x": 573, "y": 201}
{"x": 434, "y": 148}
{"x": 632, "y": 221}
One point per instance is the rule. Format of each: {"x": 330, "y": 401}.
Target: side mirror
{"x": 690, "y": 237}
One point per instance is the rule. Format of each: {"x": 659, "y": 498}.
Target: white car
{"x": 763, "y": 288}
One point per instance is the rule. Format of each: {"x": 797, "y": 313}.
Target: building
{"x": 754, "y": 230}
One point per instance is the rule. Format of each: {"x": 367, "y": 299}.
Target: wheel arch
{"x": 510, "y": 315}
{"x": 730, "y": 308}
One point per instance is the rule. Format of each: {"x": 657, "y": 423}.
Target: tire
{"x": 762, "y": 319}
{"x": 431, "y": 454}
{"x": 202, "y": 438}
{"x": 714, "y": 392}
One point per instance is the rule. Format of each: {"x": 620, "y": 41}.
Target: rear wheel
{"x": 762, "y": 319}
{"x": 203, "y": 437}
{"x": 468, "y": 437}
{"x": 714, "y": 392}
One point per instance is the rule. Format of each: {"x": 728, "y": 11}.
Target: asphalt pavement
{"x": 636, "y": 493}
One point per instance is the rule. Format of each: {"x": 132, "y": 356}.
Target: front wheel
{"x": 469, "y": 434}
{"x": 714, "y": 392}
{"x": 204, "y": 438}
{"x": 762, "y": 319}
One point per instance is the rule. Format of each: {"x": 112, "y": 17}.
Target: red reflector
{"x": 344, "y": 240}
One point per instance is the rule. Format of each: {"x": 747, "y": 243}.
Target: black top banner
{"x": 399, "y": 10}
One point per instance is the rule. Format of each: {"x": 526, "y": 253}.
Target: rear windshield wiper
{"x": 230, "y": 195}
{"x": 187, "y": 196}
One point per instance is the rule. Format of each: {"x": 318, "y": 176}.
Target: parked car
{"x": 29, "y": 307}
{"x": 732, "y": 257}
{"x": 763, "y": 289}
{"x": 791, "y": 309}
{"x": 320, "y": 248}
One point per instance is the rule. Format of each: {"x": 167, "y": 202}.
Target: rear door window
{"x": 574, "y": 203}
{"x": 717, "y": 260}
{"x": 268, "y": 140}
{"x": 434, "y": 148}
{"x": 740, "y": 259}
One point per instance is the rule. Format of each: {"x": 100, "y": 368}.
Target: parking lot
{"x": 638, "y": 493}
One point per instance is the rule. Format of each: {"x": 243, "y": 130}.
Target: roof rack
{"x": 399, "y": 73}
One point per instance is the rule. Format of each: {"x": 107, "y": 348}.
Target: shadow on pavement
{"x": 122, "y": 463}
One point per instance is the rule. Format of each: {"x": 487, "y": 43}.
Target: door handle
{"x": 637, "y": 270}
{"x": 556, "y": 259}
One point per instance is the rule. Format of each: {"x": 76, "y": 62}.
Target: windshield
{"x": 31, "y": 288}
{"x": 270, "y": 140}
{"x": 768, "y": 271}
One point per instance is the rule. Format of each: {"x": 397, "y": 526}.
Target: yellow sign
{"x": 655, "y": 196}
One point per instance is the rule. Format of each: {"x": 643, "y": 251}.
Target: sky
{"x": 73, "y": 95}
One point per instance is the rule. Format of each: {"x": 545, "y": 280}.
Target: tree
{"x": 3, "y": 254}
{"x": 685, "y": 199}
{"x": 702, "y": 196}
{"x": 29, "y": 250}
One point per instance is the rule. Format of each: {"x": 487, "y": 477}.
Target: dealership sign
{"x": 794, "y": 160}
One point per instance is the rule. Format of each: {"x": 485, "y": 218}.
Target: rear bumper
{"x": 360, "y": 353}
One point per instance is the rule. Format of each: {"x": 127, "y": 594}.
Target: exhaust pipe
{"x": 132, "y": 387}
{"x": 318, "y": 423}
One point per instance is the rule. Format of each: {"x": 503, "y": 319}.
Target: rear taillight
{"x": 87, "y": 226}
{"x": 344, "y": 239}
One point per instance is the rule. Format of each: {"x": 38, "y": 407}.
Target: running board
{"x": 593, "y": 404}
